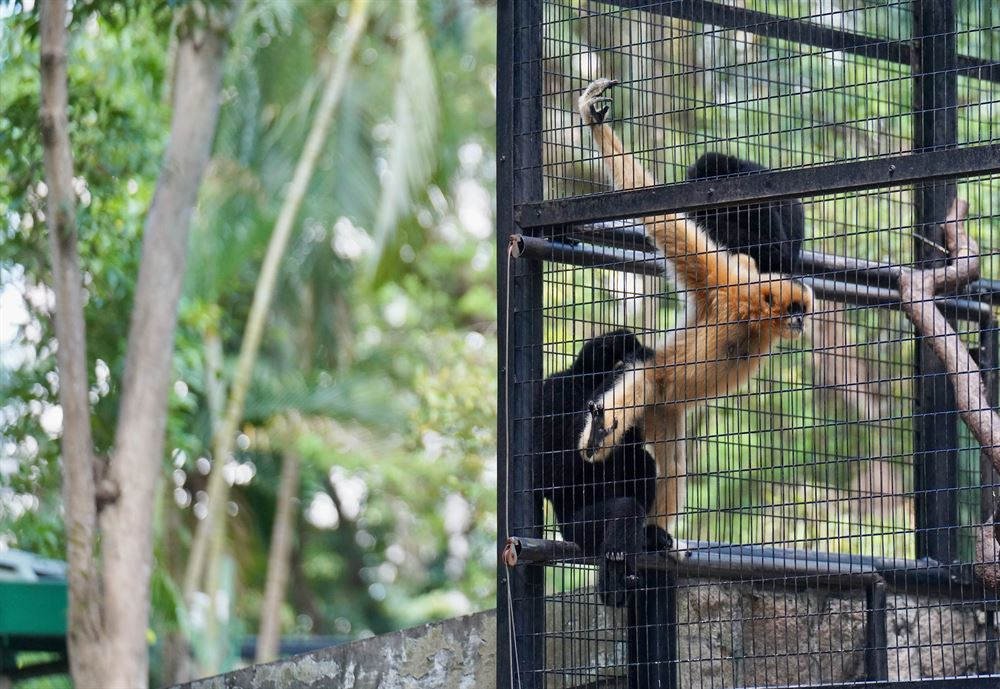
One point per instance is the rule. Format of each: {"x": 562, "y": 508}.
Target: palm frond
{"x": 231, "y": 229}
{"x": 362, "y": 399}
{"x": 270, "y": 16}
{"x": 413, "y": 153}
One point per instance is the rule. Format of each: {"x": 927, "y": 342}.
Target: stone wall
{"x": 743, "y": 636}
{"x": 728, "y": 636}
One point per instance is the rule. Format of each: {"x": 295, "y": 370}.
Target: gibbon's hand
{"x": 593, "y": 105}
{"x": 657, "y": 539}
{"x": 595, "y": 431}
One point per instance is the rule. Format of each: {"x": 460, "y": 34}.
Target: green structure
{"x": 33, "y": 599}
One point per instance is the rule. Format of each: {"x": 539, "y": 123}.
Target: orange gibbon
{"x": 736, "y": 316}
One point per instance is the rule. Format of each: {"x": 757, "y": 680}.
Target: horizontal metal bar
{"x": 791, "y": 573}
{"x": 803, "y": 32}
{"x": 764, "y": 186}
{"x": 646, "y": 263}
{"x": 899, "y": 573}
{"x": 869, "y": 296}
{"x": 849, "y": 269}
{"x": 538, "y": 550}
{"x": 718, "y": 564}
{"x": 638, "y": 262}
{"x": 588, "y": 256}
{"x": 609, "y": 234}
{"x": 984, "y": 290}
{"x": 794, "y": 568}
{"x": 978, "y": 682}
{"x": 818, "y": 264}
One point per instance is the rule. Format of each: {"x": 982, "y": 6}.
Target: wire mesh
{"x": 826, "y": 523}
{"x": 779, "y": 102}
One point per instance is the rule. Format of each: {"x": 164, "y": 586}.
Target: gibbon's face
{"x": 784, "y": 304}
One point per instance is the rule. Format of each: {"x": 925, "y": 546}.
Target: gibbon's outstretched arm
{"x": 700, "y": 262}
{"x": 739, "y": 314}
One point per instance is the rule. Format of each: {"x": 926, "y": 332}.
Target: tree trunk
{"x": 138, "y": 456}
{"x": 85, "y": 635}
{"x": 336, "y": 70}
{"x": 278, "y": 560}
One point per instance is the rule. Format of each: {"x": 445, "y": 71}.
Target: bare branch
{"x": 964, "y": 253}
{"x": 917, "y": 289}
{"x": 279, "y": 558}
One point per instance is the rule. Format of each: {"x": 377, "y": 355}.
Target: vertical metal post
{"x": 652, "y": 632}
{"x": 992, "y": 642}
{"x": 520, "y": 590}
{"x": 505, "y": 214}
{"x": 876, "y": 634}
{"x": 935, "y": 96}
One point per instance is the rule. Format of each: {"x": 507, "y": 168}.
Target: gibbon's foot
{"x": 619, "y": 571}
{"x": 618, "y": 577}
{"x": 593, "y": 105}
{"x": 594, "y": 433}
{"x": 658, "y": 540}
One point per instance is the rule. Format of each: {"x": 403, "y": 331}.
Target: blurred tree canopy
{"x": 378, "y": 366}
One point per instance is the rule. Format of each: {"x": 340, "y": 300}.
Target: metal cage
{"x": 831, "y": 501}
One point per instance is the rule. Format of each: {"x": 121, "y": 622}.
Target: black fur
{"x": 769, "y": 232}
{"x": 601, "y": 507}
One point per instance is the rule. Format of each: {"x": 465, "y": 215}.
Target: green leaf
{"x": 413, "y": 153}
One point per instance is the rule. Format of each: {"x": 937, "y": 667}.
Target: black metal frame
{"x": 765, "y": 186}
{"x": 803, "y": 33}
{"x": 527, "y": 225}
{"x": 520, "y": 604}
{"x": 935, "y": 99}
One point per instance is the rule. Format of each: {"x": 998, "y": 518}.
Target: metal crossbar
{"x": 764, "y": 186}
{"x": 800, "y": 32}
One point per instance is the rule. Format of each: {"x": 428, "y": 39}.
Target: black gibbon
{"x": 736, "y": 316}
{"x": 601, "y": 507}
{"x": 770, "y": 233}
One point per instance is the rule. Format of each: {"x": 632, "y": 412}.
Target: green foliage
{"x": 394, "y": 384}
{"x": 118, "y": 125}
{"x": 360, "y": 364}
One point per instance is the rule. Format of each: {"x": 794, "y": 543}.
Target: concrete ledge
{"x": 729, "y": 635}
{"x": 455, "y": 654}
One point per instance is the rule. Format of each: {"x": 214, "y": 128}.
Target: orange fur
{"x": 738, "y": 316}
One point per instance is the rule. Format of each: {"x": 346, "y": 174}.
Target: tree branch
{"x": 280, "y": 553}
{"x": 85, "y": 623}
{"x": 918, "y": 289}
